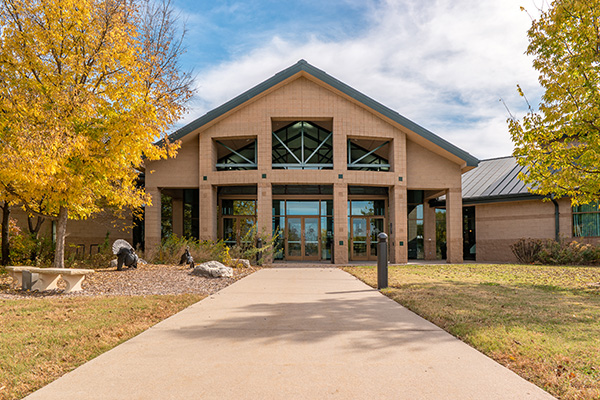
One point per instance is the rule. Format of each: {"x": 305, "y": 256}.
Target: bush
{"x": 552, "y": 252}
{"x": 526, "y": 250}
{"x": 171, "y": 249}
{"x": 248, "y": 248}
{"x": 26, "y": 249}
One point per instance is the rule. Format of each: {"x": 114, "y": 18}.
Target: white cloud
{"x": 442, "y": 63}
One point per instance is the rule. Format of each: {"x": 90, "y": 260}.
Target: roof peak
{"x": 303, "y": 65}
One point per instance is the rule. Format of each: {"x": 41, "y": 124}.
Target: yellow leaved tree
{"x": 86, "y": 88}
{"x": 560, "y": 143}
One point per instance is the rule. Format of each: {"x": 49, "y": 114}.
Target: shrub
{"x": 526, "y": 250}
{"x": 26, "y": 249}
{"x": 171, "y": 249}
{"x": 248, "y": 248}
{"x": 552, "y": 252}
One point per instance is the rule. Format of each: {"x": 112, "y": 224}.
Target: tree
{"x": 5, "y": 260}
{"x": 86, "y": 88}
{"x": 560, "y": 144}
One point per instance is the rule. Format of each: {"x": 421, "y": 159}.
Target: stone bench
{"x": 48, "y": 277}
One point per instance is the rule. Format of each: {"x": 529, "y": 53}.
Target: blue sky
{"x": 444, "y": 64}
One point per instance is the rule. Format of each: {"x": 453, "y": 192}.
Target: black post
{"x": 259, "y": 253}
{"x": 382, "y": 261}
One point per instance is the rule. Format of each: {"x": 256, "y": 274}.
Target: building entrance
{"x": 364, "y": 237}
{"x": 303, "y": 223}
{"x": 303, "y": 238}
{"x": 366, "y": 220}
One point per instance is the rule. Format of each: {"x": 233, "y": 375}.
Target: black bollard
{"x": 382, "y": 261}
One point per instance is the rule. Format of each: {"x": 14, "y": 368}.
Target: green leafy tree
{"x": 560, "y": 143}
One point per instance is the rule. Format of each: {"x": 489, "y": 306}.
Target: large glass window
{"x": 368, "y": 155}
{"x": 586, "y": 219}
{"x": 416, "y": 246}
{"x": 191, "y": 213}
{"x": 307, "y": 227}
{"x": 302, "y": 145}
{"x": 236, "y": 154}
{"x": 239, "y": 218}
{"x": 366, "y": 220}
{"x": 366, "y": 207}
{"x": 166, "y": 216}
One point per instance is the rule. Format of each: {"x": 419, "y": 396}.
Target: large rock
{"x": 241, "y": 263}
{"x": 212, "y": 269}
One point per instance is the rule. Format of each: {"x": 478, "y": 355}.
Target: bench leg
{"x": 73, "y": 282}
{"x": 46, "y": 281}
{"x": 17, "y": 279}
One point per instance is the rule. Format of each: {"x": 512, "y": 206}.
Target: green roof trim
{"x": 302, "y": 65}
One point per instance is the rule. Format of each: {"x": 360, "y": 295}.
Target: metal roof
{"x": 495, "y": 179}
{"x": 336, "y": 84}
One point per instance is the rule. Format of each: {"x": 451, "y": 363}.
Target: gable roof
{"x": 303, "y": 66}
{"x": 496, "y": 179}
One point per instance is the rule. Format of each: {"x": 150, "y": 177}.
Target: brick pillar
{"x": 152, "y": 220}
{"x": 398, "y": 243}
{"x": 208, "y": 212}
{"x": 264, "y": 209}
{"x": 178, "y": 217}
{"x": 429, "y": 231}
{"x": 340, "y": 222}
{"x": 454, "y": 226}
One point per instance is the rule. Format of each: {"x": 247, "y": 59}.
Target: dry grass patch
{"x": 543, "y": 322}
{"x": 43, "y": 338}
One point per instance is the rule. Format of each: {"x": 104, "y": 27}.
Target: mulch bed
{"x": 147, "y": 279}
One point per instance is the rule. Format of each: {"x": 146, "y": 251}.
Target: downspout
{"x": 556, "y": 219}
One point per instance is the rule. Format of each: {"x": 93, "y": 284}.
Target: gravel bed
{"x": 147, "y": 279}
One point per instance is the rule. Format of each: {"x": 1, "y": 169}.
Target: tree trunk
{"x": 5, "y": 234}
{"x": 34, "y": 232}
{"x": 61, "y": 232}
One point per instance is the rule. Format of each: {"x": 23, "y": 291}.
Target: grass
{"x": 44, "y": 338}
{"x": 543, "y": 322}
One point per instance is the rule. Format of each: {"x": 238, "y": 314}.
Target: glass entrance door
{"x": 364, "y": 237}
{"x": 359, "y": 239}
{"x": 375, "y": 228}
{"x": 303, "y": 241}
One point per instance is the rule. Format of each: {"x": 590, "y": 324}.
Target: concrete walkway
{"x": 293, "y": 333}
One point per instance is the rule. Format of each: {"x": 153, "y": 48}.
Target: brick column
{"x": 340, "y": 222}
{"x": 429, "y": 238}
{"x": 178, "y": 217}
{"x": 264, "y": 209}
{"x": 454, "y": 226}
{"x": 208, "y": 212}
{"x": 398, "y": 243}
{"x": 152, "y": 220}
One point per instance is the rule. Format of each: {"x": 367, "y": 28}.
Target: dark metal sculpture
{"x": 125, "y": 254}
{"x": 186, "y": 258}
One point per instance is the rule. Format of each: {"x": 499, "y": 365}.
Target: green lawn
{"x": 543, "y": 322}
{"x": 43, "y": 338}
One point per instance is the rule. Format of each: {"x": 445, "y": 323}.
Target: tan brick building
{"x": 328, "y": 168}
{"x": 306, "y": 155}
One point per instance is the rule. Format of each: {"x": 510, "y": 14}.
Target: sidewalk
{"x": 293, "y": 333}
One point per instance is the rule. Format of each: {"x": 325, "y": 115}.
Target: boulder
{"x": 241, "y": 263}
{"x": 113, "y": 263}
{"x": 212, "y": 269}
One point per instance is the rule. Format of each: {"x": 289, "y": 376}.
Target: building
{"x": 307, "y": 155}
{"x": 327, "y": 167}
{"x": 498, "y": 210}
